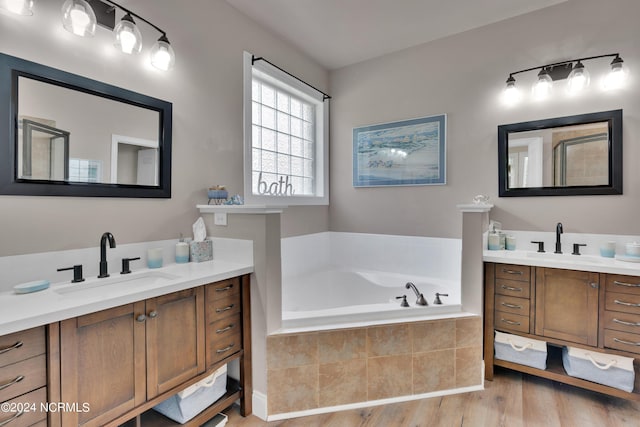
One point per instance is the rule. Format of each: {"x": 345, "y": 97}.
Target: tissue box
{"x": 607, "y": 369}
{"x": 191, "y": 401}
{"x": 201, "y": 251}
{"x": 517, "y": 349}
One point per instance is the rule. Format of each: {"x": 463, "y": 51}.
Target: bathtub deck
{"x": 513, "y": 399}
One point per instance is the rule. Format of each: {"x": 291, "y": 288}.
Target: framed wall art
{"x": 408, "y": 152}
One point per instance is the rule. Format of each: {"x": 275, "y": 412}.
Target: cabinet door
{"x": 102, "y": 364}
{"x": 567, "y": 305}
{"x": 175, "y": 339}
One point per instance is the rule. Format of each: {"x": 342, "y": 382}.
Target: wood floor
{"x": 511, "y": 400}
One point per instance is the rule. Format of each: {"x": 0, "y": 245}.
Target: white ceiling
{"x": 337, "y": 33}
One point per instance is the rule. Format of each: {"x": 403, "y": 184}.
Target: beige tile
{"x": 388, "y": 340}
{"x": 434, "y": 371}
{"x": 433, "y": 335}
{"x": 468, "y": 366}
{"x": 287, "y": 351}
{"x": 292, "y": 389}
{"x": 469, "y": 332}
{"x": 343, "y": 382}
{"x": 340, "y": 345}
{"x": 389, "y": 376}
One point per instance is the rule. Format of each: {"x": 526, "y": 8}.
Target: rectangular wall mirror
{"x": 68, "y": 135}
{"x": 563, "y": 156}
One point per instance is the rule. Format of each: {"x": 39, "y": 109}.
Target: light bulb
{"x": 19, "y": 7}
{"x": 511, "y": 93}
{"x": 542, "y": 88}
{"x": 162, "y": 54}
{"x": 578, "y": 79}
{"x": 617, "y": 76}
{"x": 127, "y": 35}
{"x": 78, "y": 18}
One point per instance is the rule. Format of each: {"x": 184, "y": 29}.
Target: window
{"x": 286, "y": 138}
{"x": 83, "y": 170}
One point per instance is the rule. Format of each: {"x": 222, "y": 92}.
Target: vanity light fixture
{"x": 127, "y": 35}
{"x": 80, "y": 17}
{"x": 19, "y": 7}
{"x": 573, "y": 71}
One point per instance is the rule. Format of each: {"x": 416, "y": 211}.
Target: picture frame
{"x": 408, "y": 152}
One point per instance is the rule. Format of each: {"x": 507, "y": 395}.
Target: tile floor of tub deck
{"x": 329, "y": 368}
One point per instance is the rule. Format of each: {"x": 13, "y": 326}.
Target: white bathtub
{"x": 334, "y": 280}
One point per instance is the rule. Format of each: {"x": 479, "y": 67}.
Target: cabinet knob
{"x": 594, "y": 285}
{"x": 141, "y": 318}
{"x": 153, "y": 314}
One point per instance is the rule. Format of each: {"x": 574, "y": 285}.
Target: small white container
{"x": 191, "y": 401}
{"x": 521, "y": 350}
{"x": 607, "y": 369}
{"x": 632, "y": 249}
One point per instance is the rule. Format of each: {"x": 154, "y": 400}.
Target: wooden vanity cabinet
{"x": 566, "y": 308}
{"x": 119, "y": 358}
{"x": 124, "y": 360}
{"x": 567, "y": 305}
{"x": 23, "y": 378}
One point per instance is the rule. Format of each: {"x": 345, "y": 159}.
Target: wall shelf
{"x": 240, "y": 209}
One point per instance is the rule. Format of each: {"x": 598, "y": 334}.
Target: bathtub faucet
{"x": 420, "y": 300}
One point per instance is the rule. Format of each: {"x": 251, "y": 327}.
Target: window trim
{"x": 321, "y": 142}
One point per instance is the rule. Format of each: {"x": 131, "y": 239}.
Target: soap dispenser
{"x": 493, "y": 238}
{"x": 182, "y": 251}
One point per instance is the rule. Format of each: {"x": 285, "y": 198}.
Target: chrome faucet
{"x": 559, "y": 231}
{"x": 420, "y": 300}
{"x": 103, "y": 252}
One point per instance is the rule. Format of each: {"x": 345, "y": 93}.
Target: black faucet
{"x": 559, "y": 231}
{"x": 103, "y": 252}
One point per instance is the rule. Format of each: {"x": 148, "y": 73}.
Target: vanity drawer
{"x": 513, "y": 305}
{"x": 625, "y": 322}
{"x": 626, "y": 303}
{"x": 21, "y": 345}
{"x": 622, "y": 341}
{"x": 513, "y": 288}
{"x": 224, "y": 327}
{"x": 623, "y": 284}
{"x": 223, "y": 289}
{"x": 223, "y": 307}
{"x": 511, "y": 322}
{"x": 218, "y": 349}
{"x": 29, "y": 405}
{"x": 23, "y": 376}
{"x": 513, "y": 272}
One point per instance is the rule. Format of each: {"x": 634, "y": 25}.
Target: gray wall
{"x": 463, "y": 76}
{"x": 205, "y": 88}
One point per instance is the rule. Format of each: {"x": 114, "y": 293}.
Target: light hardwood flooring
{"x": 511, "y": 400}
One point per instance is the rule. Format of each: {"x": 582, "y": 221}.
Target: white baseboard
{"x": 259, "y": 402}
{"x": 287, "y": 415}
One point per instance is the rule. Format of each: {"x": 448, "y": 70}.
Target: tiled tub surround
{"x": 340, "y": 278}
{"x": 322, "y": 371}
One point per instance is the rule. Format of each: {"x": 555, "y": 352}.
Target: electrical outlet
{"x": 220, "y": 218}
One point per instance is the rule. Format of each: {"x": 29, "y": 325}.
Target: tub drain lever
{"x": 438, "y": 300}
{"x": 404, "y": 302}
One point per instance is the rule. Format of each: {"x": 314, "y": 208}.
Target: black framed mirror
{"x": 562, "y": 156}
{"x": 67, "y": 135}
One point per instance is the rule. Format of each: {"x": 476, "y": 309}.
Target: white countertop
{"x": 596, "y": 264}
{"x": 23, "y": 311}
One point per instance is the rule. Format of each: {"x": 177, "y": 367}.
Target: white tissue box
{"x": 201, "y": 251}
{"x": 607, "y": 369}
{"x": 183, "y": 406}
{"x": 521, "y": 350}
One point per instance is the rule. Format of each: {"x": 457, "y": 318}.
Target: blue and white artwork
{"x": 410, "y": 152}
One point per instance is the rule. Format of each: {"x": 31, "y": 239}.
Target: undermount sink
{"x": 581, "y": 259}
{"x": 134, "y": 281}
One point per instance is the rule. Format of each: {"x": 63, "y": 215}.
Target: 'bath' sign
{"x": 281, "y": 187}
